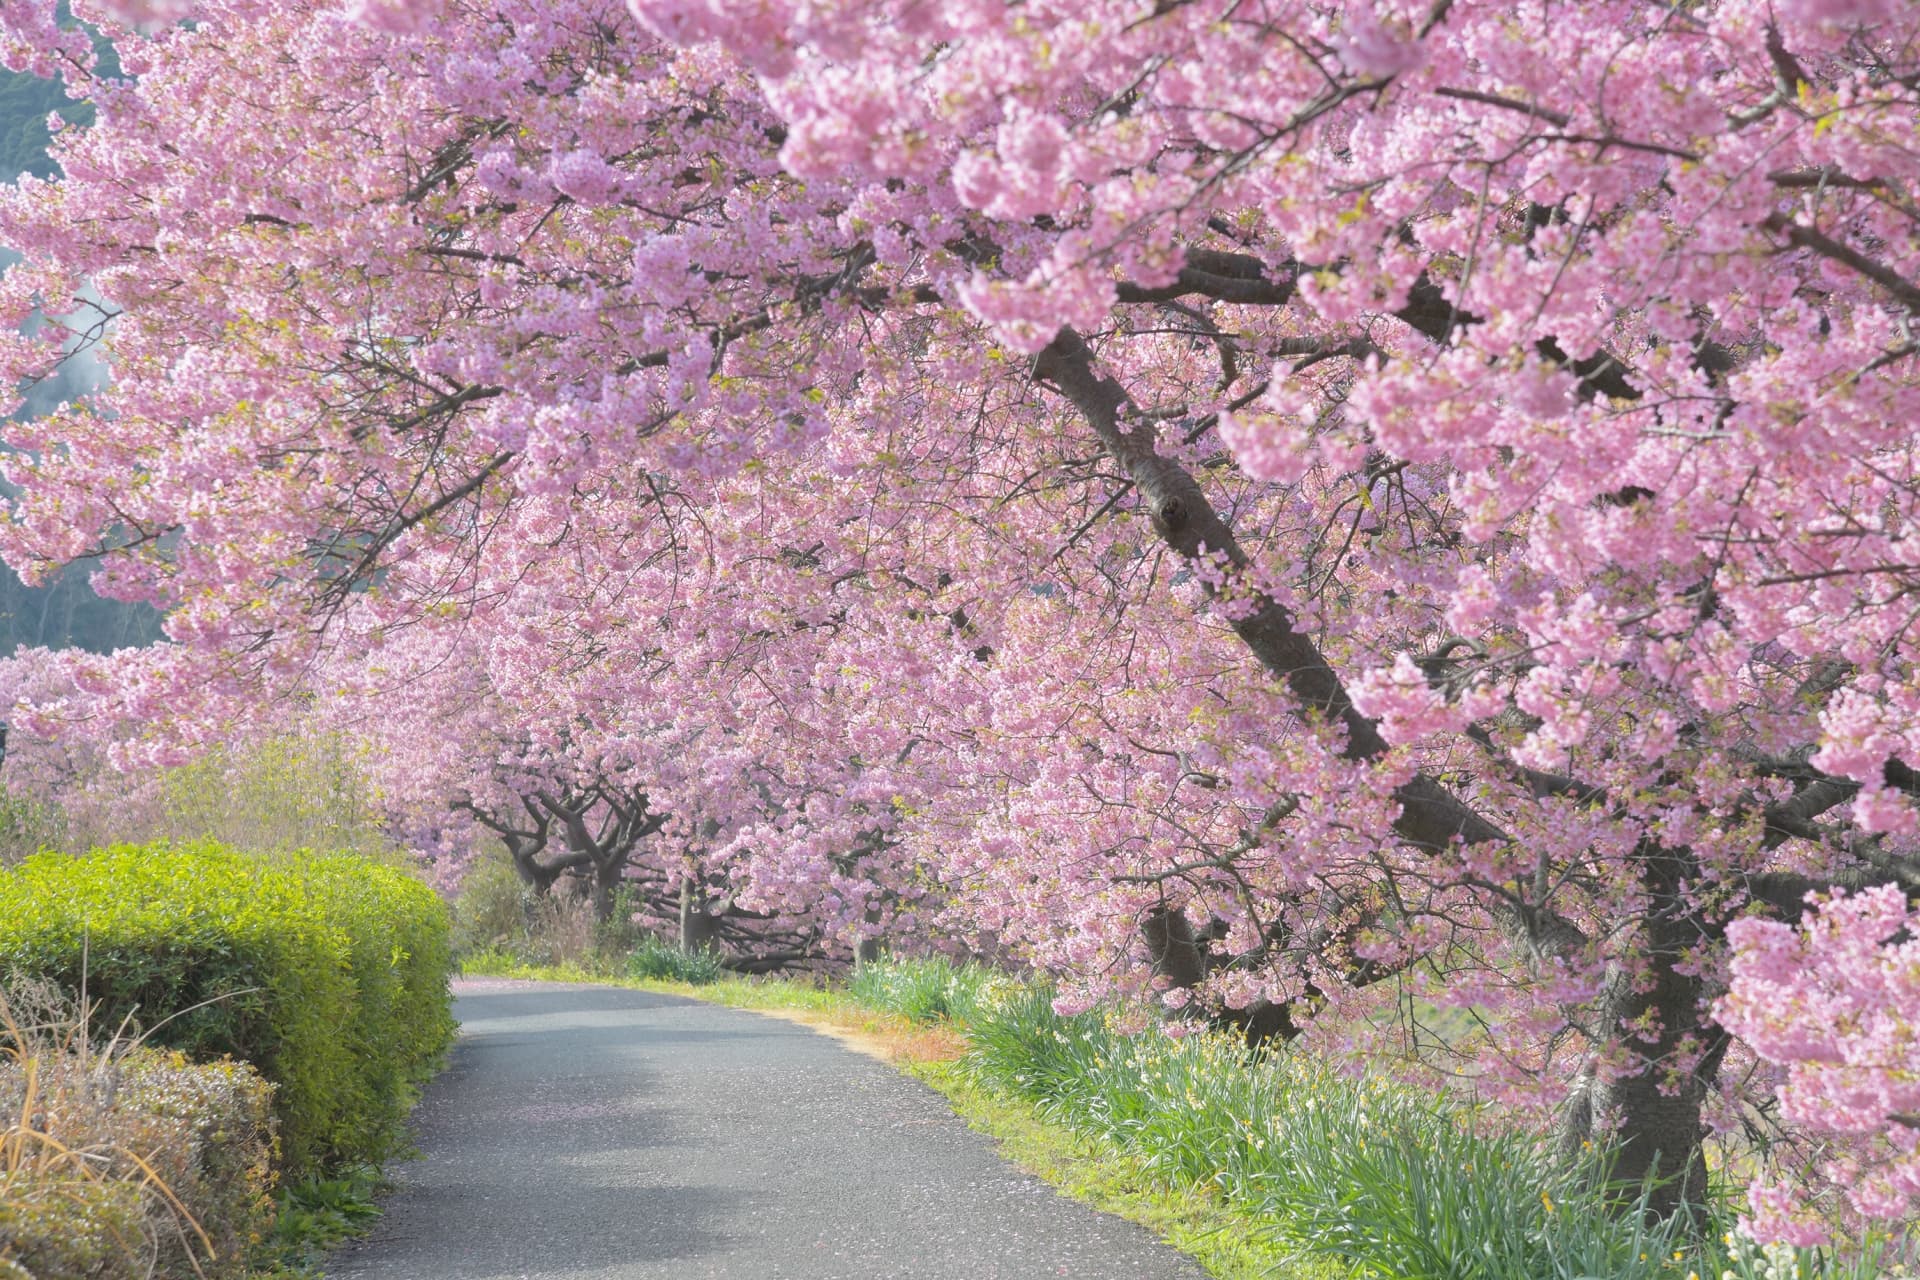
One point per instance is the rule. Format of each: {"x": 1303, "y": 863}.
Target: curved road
{"x": 594, "y": 1133}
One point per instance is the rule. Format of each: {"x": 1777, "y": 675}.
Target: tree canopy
{"x": 1329, "y": 508}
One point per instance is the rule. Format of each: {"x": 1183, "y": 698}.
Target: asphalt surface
{"x": 593, "y": 1133}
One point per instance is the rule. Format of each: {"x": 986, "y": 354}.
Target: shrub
{"x": 286, "y": 793}
{"x": 663, "y": 962}
{"x": 621, "y": 933}
{"x": 75, "y": 1229}
{"x": 922, "y": 990}
{"x": 499, "y": 920}
{"x": 490, "y": 913}
{"x": 124, "y": 1161}
{"x": 400, "y": 958}
{"x": 327, "y": 972}
{"x": 28, "y": 824}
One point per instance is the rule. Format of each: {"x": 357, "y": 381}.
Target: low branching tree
{"x": 1419, "y": 493}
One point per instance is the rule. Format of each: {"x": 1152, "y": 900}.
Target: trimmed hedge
{"x": 328, "y": 972}
{"x": 207, "y": 1130}
{"x": 77, "y": 1230}
{"x": 77, "y": 1178}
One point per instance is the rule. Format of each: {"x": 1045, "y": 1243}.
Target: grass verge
{"x": 1220, "y": 1237}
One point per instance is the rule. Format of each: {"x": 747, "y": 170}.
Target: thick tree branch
{"x": 1786, "y": 891}
{"x": 1223, "y": 277}
{"x": 1431, "y": 818}
{"x": 1904, "y": 291}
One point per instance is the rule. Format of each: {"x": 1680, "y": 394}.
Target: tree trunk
{"x": 1178, "y": 953}
{"x": 606, "y": 882}
{"x": 1656, "y": 1129}
{"x": 866, "y": 947}
{"x": 538, "y": 882}
{"x": 534, "y": 876}
{"x": 1173, "y": 947}
{"x": 1652, "y": 1114}
{"x": 699, "y": 929}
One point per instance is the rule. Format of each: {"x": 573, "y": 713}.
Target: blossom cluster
{"x": 1374, "y": 500}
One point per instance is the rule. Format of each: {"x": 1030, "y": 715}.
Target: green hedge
{"x": 328, "y": 972}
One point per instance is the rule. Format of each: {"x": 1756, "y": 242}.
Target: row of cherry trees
{"x": 1353, "y": 507}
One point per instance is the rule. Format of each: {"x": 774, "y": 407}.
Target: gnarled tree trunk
{"x": 607, "y": 875}
{"x": 1651, "y": 1112}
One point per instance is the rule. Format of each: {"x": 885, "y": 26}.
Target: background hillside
{"x": 65, "y": 613}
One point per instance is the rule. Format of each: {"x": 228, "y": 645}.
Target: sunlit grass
{"x": 1190, "y": 1218}
{"x": 1364, "y": 1174}
{"x": 1270, "y": 1165}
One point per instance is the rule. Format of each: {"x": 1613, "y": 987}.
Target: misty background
{"x": 65, "y": 612}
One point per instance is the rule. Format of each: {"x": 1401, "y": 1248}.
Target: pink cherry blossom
{"x": 1334, "y": 498}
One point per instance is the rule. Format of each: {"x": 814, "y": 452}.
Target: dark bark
{"x": 625, "y": 820}
{"x": 866, "y": 948}
{"x": 525, "y": 844}
{"x": 699, "y": 926}
{"x": 1183, "y": 956}
{"x": 607, "y": 875}
{"x": 766, "y": 961}
{"x": 1658, "y": 1119}
{"x": 1656, "y": 1105}
{"x": 1173, "y": 947}
{"x": 1431, "y": 817}
{"x": 1658, "y": 1109}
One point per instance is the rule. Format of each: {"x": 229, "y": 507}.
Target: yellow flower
{"x": 1547, "y": 1200}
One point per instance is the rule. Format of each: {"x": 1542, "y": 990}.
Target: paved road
{"x": 591, "y": 1133}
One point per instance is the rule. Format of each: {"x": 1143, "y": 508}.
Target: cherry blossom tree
{"x": 474, "y": 735}
{"x": 1336, "y": 503}
{"x": 1831, "y": 1004}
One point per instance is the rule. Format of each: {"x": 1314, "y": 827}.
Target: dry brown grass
{"x": 119, "y": 1161}
{"x": 892, "y": 1040}
{"x": 76, "y": 1198}
{"x": 561, "y": 929}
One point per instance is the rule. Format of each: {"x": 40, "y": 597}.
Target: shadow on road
{"x": 597, "y": 1133}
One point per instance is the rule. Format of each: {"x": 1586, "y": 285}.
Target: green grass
{"x": 313, "y": 1216}
{"x": 1366, "y": 1175}
{"x": 1198, "y": 1223}
{"x": 920, "y": 990}
{"x": 730, "y": 989}
{"x": 1268, "y": 1165}
{"x": 659, "y": 960}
